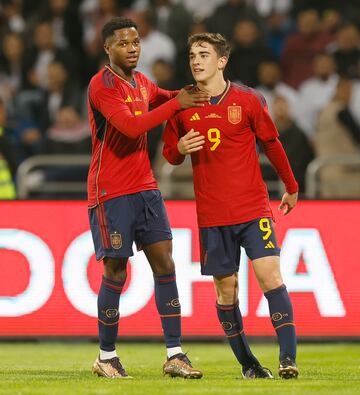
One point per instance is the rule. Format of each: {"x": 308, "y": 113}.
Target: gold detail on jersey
{"x": 270, "y": 244}
{"x": 265, "y": 226}
{"x": 213, "y": 115}
{"x": 128, "y": 99}
{"x": 144, "y": 93}
{"x": 214, "y": 135}
{"x": 195, "y": 117}
{"x": 138, "y": 112}
{"x": 234, "y": 114}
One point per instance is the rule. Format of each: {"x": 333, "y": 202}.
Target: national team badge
{"x": 116, "y": 241}
{"x": 144, "y": 93}
{"x": 234, "y": 114}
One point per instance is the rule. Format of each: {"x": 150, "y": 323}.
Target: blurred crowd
{"x": 303, "y": 56}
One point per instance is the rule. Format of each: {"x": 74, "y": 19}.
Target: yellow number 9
{"x": 264, "y": 225}
{"x": 214, "y": 137}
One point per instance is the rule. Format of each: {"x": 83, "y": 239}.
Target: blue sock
{"x": 231, "y": 322}
{"x": 108, "y": 312}
{"x": 167, "y": 303}
{"x": 282, "y": 318}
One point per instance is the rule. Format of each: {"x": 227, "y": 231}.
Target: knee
{"x": 226, "y": 298}
{"x": 164, "y": 266}
{"x": 226, "y": 290}
{"x": 115, "y": 269}
{"x": 270, "y": 282}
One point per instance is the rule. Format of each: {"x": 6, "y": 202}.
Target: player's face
{"x": 124, "y": 48}
{"x": 205, "y": 62}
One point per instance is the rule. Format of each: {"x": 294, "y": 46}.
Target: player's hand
{"x": 192, "y": 98}
{"x": 288, "y": 202}
{"x": 191, "y": 142}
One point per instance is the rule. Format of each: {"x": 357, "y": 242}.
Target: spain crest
{"x": 234, "y": 114}
{"x": 144, "y": 93}
{"x": 116, "y": 241}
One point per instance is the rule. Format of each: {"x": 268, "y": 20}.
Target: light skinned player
{"x": 231, "y": 197}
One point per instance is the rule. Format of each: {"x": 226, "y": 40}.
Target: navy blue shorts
{"x": 220, "y": 245}
{"x": 117, "y": 223}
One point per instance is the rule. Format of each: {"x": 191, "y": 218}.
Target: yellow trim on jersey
{"x": 118, "y": 75}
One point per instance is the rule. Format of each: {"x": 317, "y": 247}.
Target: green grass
{"x": 54, "y": 369}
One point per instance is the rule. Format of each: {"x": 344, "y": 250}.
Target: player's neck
{"x": 214, "y": 86}
{"x": 128, "y": 75}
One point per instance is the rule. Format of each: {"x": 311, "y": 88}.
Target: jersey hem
{"x": 235, "y": 222}
{"x": 92, "y": 204}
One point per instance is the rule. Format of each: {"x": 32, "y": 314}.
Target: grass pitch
{"x": 54, "y": 369}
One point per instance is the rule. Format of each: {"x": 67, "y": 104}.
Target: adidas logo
{"x": 270, "y": 244}
{"x": 128, "y": 99}
{"x": 213, "y": 115}
{"x": 195, "y": 117}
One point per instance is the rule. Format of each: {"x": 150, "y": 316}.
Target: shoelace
{"x": 116, "y": 364}
{"x": 261, "y": 371}
{"x": 184, "y": 358}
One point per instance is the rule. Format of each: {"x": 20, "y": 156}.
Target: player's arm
{"x": 275, "y": 152}
{"x": 159, "y": 95}
{"x": 110, "y": 103}
{"x": 266, "y": 132}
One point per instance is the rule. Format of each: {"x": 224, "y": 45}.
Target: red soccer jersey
{"x": 119, "y": 119}
{"x": 228, "y": 184}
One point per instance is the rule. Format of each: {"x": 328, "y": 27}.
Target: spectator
{"x": 154, "y": 44}
{"x": 38, "y": 58}
{"x": 68, "y": 134}
{"x": 172, "y": 19}
{"x": 7, "y": 158}
{"x": 346, "y": 50}
{"x": 293, "y": 139}
{"x": 38, "y": 107}
{"x": 271, "y": 85}
{"x": 338, "y": 133}
{"x": 301, "y": 48}
{"x": 278, "y": 27}
{"x": 317, "y": 91}
{"x": 248, "y": 52}
{"x": 12, "y": 69}
{"x": 12, "y": 19}
{"x": 330, "y": 21}
{"x": 268, "y": 7}
{"x": 225, "y": 17}
{"x": 64, "y": 19}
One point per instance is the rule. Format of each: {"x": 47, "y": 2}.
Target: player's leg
{"x": 113, "y": 241}
{"x": 154, "y": 236}
{"x": 220, "y": 257}
{"x": 113, "y": 280}
{"x": 261, "y": 246}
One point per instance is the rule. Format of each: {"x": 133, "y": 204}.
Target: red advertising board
{"x": 49, "y": 277}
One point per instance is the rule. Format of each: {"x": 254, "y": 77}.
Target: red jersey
{"x": 119, "y": 119}
{"x": 228, "y": 184}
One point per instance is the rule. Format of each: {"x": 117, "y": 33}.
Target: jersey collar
{"x": 219, "y": 98}
{"x": 122, "y": 78}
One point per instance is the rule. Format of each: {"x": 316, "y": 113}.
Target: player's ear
{"x": 106, "y": 48}
{"x": 222, "y": 62}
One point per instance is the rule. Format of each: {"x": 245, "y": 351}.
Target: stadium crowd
{"x": 302, "y": 55}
